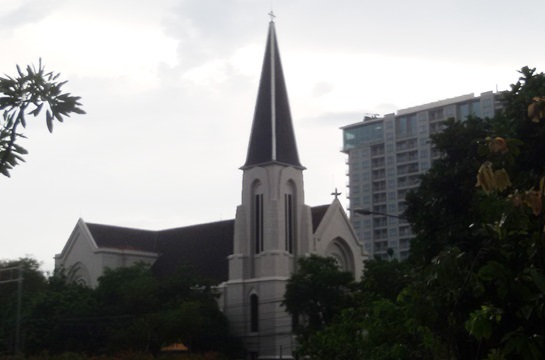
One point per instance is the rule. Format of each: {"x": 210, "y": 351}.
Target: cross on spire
{"x": 271, "y": 14}
{"x": 336, "y": 193}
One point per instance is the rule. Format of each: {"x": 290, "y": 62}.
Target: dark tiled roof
{"x": 268, "y": 145}
{"x": 317, "y": 213}
{"x": 203, "y": 247}
{"x": 116, "y": 237}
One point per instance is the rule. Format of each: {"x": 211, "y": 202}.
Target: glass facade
{"x": 360, "y": 135}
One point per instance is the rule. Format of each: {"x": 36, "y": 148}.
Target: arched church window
{"x": 339, "y": 250}
{"x": 288, "y": 200}
{"x": 289, "y": 213}
{"x": 254, "y": 313}
{"x": 258, "y": 223}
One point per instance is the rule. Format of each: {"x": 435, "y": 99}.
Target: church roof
{"x": 204, "y": 247}
{"x": 317, "y": 214}
{"x": 122, "y": 238}
{"x": 272, "y": 139}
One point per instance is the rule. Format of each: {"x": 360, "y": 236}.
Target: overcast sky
{"x": 169, "y": 87}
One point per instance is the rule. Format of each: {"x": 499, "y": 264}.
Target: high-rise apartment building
{"x": 386, "y": 155}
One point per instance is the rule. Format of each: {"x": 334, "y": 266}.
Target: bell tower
{"x": 273, "y": 225}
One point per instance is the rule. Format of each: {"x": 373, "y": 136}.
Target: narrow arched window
{"x": 258, "y": 223}
{"x": 254, "y": 313}
{"x": 289, "y": 219}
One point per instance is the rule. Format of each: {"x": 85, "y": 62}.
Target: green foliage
{"x": 474, "y": 286}
{"x": 341, "y": 340}
{"x": 495, "y": 305}
{"x": 131, "y": 312}
{"x": 315, "y": 294}
{"x": 158, "y": 312}
{"x": 443, "y": 207}
{"x": 32, "y": 92}
{"x": 62, "y": 312}
{"x": 317, "y": 291}
{"x": 383, "y": 279}
{"x": 34, "y": 282}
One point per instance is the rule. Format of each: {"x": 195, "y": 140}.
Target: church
{"x": 252, "y": 256}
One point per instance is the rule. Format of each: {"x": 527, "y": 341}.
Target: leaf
{"x": 36, "y": 111}
{"x": 59, "y": 117}
{"x": 19, "y": 71}
{"x": 538, "y": 279}
{"x": 490, "y": 271}
{"x": 478, "y": 326}
{"x": 22, "y": 117}
{"x": 49, "y": 120}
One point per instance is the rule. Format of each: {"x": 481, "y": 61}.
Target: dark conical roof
{"x": 272, "y": 139}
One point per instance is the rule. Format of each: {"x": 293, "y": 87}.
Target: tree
{"x": 442, "y": 209}
{"x": 510, "y": 316}
{"x": 152, "y": 312}
{"x": 368, "y": 322}
{"x": 474, "y": 286}
{"x": 32, "y": 91}
{"x": 485, "y": 278}
{"x": 131, "y": 311}
{"x": 33, "y": 283}
{"x": 62, "y": 317}
{"x": 384, "y": 279}
{"x": 316, "y": 293}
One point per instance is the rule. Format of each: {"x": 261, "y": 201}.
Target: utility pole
{"x": 19, "y": 301}
{"x": 19, "y": 279}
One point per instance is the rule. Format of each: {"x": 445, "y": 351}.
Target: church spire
{"x": 272, "y": 139}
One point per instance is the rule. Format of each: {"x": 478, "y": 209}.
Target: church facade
{"x": 252, "y": 256}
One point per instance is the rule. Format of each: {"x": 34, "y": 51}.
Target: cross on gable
{"x": 336, "y": 193}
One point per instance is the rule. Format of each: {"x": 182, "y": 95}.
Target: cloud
{"x": 322, "y": 88}
{"x": 25, "y": 12}
{"x": 210, "y": 29}
{"x": 332, "y": 120}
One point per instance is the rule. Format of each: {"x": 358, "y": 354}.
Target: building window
{"x": 258, "y": 223}
{"x": 406, "y": 126}
{"x": 288, "y": 202}
{"x": 425, "y": 165}
{"x": 464, "y": 111}
{"x": 424, "y": 153}
{"x": 389, "y": 124}
{"x": 254, "y": 313}
{"x": 436, "y": 114}
{"x": 390, "y": 148}
{"x": 449, "y": 111}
